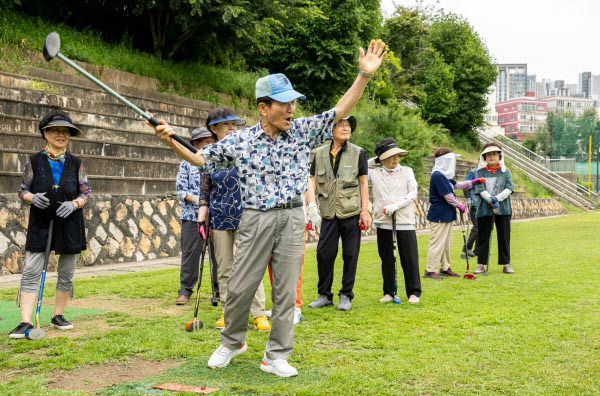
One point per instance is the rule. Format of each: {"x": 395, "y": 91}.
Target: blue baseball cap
{"x": 277, "y": 87}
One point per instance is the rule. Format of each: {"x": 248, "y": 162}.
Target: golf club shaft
{"x": 395, "y": 246}
{"x": 121, "y": 98}
{"x": 200, "y": 277}
{"x": 38, "y": 308}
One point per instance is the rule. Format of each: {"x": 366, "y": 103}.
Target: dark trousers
{"x": 486, "y": 224}
{"x": 474, "y": 230}
{"x": 214, "y": 267}
{"x": 191, "y": 248}
{"x": 409, "y": 259}
{"x": 327, "y": 249}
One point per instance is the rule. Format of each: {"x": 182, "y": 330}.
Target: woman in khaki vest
{"x": 394, "y": 191}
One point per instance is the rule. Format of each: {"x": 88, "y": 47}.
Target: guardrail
{"x": 527, "y": 161}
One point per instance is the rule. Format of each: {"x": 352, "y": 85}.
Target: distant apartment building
{"x": 585, "y": 84}
{"x": 526, "y": 115}
{"x": 521, "y": 116}
{"x": 563, "y": 105}
{"x": 511, "y": 81}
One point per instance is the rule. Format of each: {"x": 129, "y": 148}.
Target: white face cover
{"x": 446, "y": 164}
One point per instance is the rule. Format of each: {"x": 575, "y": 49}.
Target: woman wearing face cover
{"x": 220, "y": 194}
{"x": 394, "y": 191}
{"x": 55, "y": 184}
{"x": 494, "y": 207}
{"x": 442, "y": 212}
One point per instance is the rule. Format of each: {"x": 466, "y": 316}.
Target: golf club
{"x": 37, "y": 333}
{"x": 214, "y": 281}
{"x": 464, "y": 234}
{"x": 395, "y": 246}
{"x": 196, "y": 324}
{"x": 52, "y": 50}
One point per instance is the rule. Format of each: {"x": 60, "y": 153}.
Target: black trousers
{"x": 473, "y": 235}
{"x": 409, "y": 259}
{"x": 327, "y": 249}
{"x": 191, "y": 248}
{"x": 486, "y": 224}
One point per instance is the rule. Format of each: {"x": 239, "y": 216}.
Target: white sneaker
{"x": 386, "y": 298}
{"x": 413, "y": 299}
{"x": 223, "y": 355}
{"x": 278, "y": 367}
{"x": 268, "y": 313}
{"x": 297, "y": 315}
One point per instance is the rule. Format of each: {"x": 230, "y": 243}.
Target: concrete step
{"x": 14, "y": 161}
{"x": 10, "y": 181}
{"x": 26, "y": 108}
{"x": 142, "y": 94}
{"x": 17, "y": 141}
{"x": 29, "y": 126}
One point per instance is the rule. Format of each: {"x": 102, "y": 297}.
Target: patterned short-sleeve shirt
{"x": 271, "y": 172}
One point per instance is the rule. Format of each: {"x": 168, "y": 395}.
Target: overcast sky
{"x": 556, "y": 38}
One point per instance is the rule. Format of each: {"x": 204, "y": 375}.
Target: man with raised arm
{"x": 272, "y": 160}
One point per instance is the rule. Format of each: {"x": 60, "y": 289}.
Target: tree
{"x": 463, "y": 51}
{"x": 319, "y": 52}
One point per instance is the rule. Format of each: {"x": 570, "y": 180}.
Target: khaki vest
{"x": 338, "y": 196}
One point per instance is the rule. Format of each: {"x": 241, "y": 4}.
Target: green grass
{"x": 537, "y": 332}
{"x": 22, "y": 38}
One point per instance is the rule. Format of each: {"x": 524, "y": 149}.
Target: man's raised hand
{"x": 370, "y": 61}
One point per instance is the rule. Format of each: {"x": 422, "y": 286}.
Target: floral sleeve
{"x": 25, "y": 186}
{"x": 84, "y": 185}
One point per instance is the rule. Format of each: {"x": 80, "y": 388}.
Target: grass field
{"x": 533, "y": 333}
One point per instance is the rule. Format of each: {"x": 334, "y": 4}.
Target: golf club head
{"x": 35, "y": 334}
{"x": 469, "y": 276}
{"x": 396, "y": 300}
{"x": 51, "y": 46}
{"x": 194, "y": 325}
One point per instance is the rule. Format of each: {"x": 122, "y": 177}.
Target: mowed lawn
{"x": 533, "y": 333}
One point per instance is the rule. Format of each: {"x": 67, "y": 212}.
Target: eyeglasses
{"x": 56, "y": 131}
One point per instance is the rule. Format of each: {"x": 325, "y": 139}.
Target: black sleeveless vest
{"x": 69, "y": 234}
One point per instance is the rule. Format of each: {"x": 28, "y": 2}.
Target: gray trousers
{"x": 34, "y": 264}
{"x": 276, "y": 231}
{"x": 224, "y": 250}
{"x": 191, "y": 249}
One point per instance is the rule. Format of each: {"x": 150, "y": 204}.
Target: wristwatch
{"x": 365, "y": 74}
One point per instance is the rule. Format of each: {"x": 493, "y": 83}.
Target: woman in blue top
{"x": 442, "y": 212}
{"x": 55, "y": 186}
{"x": 220, "y": 194}
{"x": 188, "y": 192}
{"x": 494, "y": 207}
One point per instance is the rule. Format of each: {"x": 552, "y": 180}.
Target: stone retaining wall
{"x": 135, "y": 228}
{"x": 118, "y": 228}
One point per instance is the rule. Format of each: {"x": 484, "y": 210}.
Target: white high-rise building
{"x": 511, "y": 81}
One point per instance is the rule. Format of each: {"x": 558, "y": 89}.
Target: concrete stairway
{"x": 121, "y": 153}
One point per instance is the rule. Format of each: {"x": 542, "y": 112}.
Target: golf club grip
{"x": 185, "y": 144}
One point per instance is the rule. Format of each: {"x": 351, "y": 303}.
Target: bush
{"x": 405, "y": 125}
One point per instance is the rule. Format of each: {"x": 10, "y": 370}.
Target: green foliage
{"x": 319, "y": 51}
{"x": 405, "y": 125}
{"x": 463, "y": 50}
{"x": 540, "y": 142}
{"x": 446, "y": 68}
{"x": 21, "y": 39}
{"x": 570, "y": 134}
